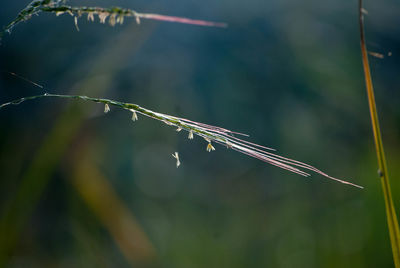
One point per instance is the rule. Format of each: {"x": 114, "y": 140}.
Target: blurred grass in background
{"x": 80, "y": 188}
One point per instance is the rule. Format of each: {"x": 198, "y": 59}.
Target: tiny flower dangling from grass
{"x": 209, "y": 145}
{"x": 106, "y": 108}
{"x": 90, "y": 16}
{"x": 102, "y": 17}
{"x": 113, "y": 19}
{"x": 134, "y": 115}
{"x": 176, "y": 156}
{"x": 190, "y": 136}
{"x": 76, "y": 23}
{"x": 215, "y": 134}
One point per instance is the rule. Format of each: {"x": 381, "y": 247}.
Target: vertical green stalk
{"x": 393, "y": 224}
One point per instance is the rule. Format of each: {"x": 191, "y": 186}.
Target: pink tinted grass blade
{"x": 228, "y": 134}
{"x": 255, "y": 150}
{"x": 225, "y": 137}
{"x": 181, "y": 20}
{"x": 214, "y": 127}
{"x": 284, "y": 163}
{"x": 268, "y": 160}
{"x": 210, "y": 133}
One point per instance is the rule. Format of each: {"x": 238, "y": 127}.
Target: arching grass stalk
{"x": 114, "y": 15}
{"x": 393, "y": 224}
{"x": 209, "y": 133}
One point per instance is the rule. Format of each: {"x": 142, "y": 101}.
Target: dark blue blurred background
{"x": 82, "y": 189}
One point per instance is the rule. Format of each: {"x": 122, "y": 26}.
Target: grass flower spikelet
{"x": 210, "y": 133}
{"x": 115, "y": 14}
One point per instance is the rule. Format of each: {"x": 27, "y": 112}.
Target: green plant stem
{"x": 209, "y": 133}
{"x": 383, "y": 173}
{"x": 169, "y": 120}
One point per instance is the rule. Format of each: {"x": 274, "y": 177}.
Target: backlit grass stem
{"x": 393, "y": 224}
{"x": 207, "y": 132}
{"x": 114, "y": 15}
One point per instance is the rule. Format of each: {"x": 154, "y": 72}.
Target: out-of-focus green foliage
{"x": 286, "y": 72}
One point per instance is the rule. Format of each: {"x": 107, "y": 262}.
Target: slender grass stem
{"x": 393, "y": 224}
{"x": 207, "y": 132}
{"x": 114, "y": 15}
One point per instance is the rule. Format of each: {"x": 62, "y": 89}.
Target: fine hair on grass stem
{"x": 209, "y": 133}
{"x": 393, "y": 225}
